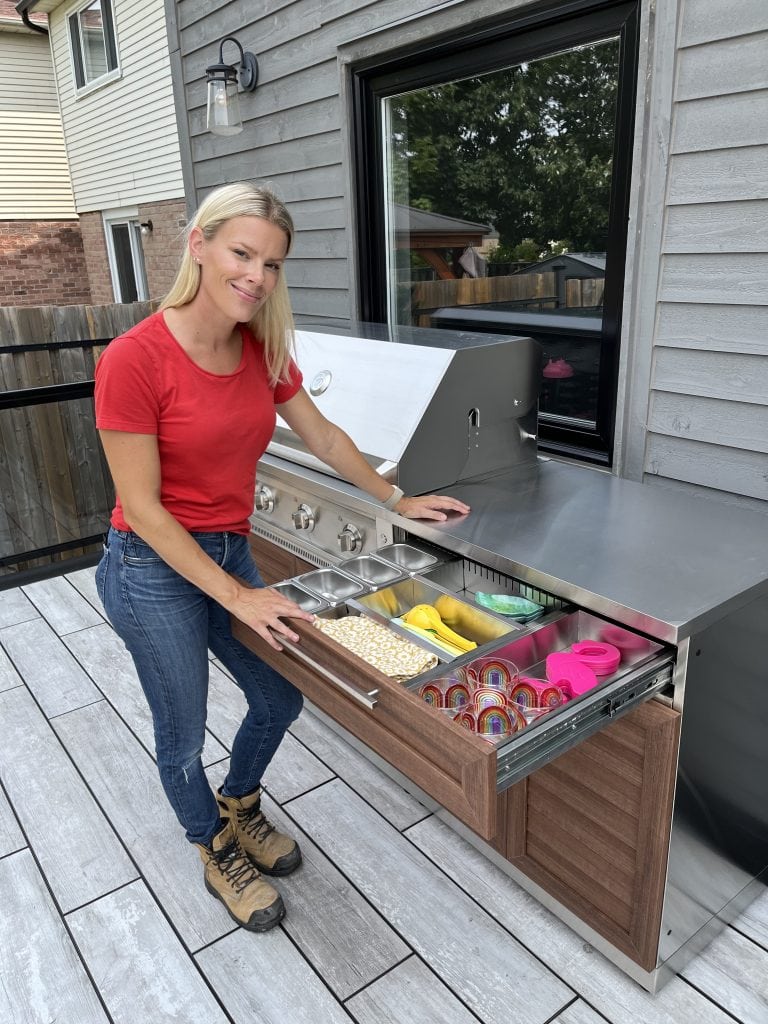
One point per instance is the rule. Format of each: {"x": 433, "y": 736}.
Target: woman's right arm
{"x": 135, "y": 466}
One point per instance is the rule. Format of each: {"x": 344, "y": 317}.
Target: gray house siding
{"x": 692, "y": 404}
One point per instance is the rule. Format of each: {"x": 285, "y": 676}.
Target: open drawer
{"x": 461, "y": 770}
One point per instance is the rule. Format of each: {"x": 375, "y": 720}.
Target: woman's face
{"x": 240, "y": 266}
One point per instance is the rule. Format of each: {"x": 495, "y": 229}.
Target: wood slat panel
{"x": 717, "y": 227}
{"x": 720, "y": 19}
{"x": 546, "y": 845}
{"x": 724, "y": 66}
{"x": 430, "y": 911}
{"x": 141, "y": 969}
{"x": 742, "y": 330}
{"x": 733, "y": 471}
{"x": 49, "y": 670}
{"x": 735, "y": 378}
{"x": 724, "y": 278}
{"x": 734, "y": 424}
{"x": 79, "y": 853}
{"x": 126, "y": 780}
{"x": 109, "y": 664}
{"x": 43, "y": 978}
{"x": 410, "y": 992}
{"x": 721, "y": 122}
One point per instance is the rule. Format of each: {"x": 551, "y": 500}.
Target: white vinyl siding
{"x": 122, "y": 136}
{"x": 34, "y": 177}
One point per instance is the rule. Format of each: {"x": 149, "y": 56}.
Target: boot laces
{"x": 254, "y": 824}
{"x": 236, "y": 866}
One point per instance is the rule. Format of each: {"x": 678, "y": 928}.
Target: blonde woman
{"x": 185, "y": 407}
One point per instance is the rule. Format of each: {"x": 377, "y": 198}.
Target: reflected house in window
{"x": 439, "y": 241}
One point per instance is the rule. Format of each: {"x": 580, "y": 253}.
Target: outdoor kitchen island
{"x": 639, "y": 812}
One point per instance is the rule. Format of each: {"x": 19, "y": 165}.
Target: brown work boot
{"x": 231, "y": 877}
{"x": 270, "y": 850}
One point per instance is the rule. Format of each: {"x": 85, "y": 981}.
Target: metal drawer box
{"x": 460, "y": 770}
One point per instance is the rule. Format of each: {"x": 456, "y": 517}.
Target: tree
{"x": 527, "y": 149}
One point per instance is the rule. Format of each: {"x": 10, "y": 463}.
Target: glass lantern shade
{"x": 223, "y": 107}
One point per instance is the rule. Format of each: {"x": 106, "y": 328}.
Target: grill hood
{"x": 428, "y": 408}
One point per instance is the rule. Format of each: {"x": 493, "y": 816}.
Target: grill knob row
{"x": 264, "y": 500}
{"x": 350, "y": 538}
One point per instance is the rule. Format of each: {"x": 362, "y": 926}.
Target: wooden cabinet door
{"x": 592, "y": 828}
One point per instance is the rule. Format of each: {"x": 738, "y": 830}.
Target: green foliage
{"x": 527, "y": 149}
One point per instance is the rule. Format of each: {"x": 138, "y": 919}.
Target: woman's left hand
{"x": 430, "y": 506}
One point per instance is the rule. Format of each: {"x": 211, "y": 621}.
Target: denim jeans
{"x": 168, "y": 624}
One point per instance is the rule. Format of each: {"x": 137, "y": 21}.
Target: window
{"x": 126, "y": 255}
{"x": 92, "y": 36}
{"x": 493, "y": 188}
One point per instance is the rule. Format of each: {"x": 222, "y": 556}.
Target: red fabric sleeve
{"x": 126, "y": 389}
{"x": 284, "y": 392}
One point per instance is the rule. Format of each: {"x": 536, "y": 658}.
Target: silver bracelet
{"x": 393, "y": 499}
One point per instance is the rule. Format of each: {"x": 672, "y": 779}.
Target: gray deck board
{"x": 397, "y": 806}
{"x": 43, "y": 979}
{"x": 381, "y": 927}
{"x": 268, "y": 980}
{"x": 104, "y": 656}
{"x": 497, "y": 978}
{"x": 411, "y": 992}
{"x": 11, "y": 836}
{"x": 78, "y": 851}
{"x": 15, "y": 607}
{"x": 9, "y": 677}
{"x": 63, "y": 607}
{"x": 140, "y": 967}
{"x": 125, "y": 779}
{"x": 49, "y": 670}
{"x": 601, "y": 984}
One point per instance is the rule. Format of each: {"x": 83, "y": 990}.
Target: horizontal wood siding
{"x": 122, "y": 137}
{"x": 708, "y": 406}
{"x": 34, "y": 176}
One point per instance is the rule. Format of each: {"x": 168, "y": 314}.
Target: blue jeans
{"x": 168, "y": 625}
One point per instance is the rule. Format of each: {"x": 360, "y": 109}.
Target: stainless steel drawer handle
{"x": 365, "y": 697}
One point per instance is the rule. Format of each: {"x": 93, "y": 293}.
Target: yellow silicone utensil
{"x": 426, "y": 617}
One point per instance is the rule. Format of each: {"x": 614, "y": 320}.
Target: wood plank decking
{"x": 392, "y": 918}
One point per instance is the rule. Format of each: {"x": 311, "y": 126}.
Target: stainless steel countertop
{"x": 659, "y": 560}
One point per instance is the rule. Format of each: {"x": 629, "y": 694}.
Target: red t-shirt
{"x": 211, "y": 428}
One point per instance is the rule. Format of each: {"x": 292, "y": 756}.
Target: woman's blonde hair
{"x": 273, "y": 322}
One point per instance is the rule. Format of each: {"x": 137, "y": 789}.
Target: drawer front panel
{"x": 592, "y": 828}
{"x": 455, "y": 767}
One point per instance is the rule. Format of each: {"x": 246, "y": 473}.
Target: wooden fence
{"x": 55, "y": 487}
{"x": 538, "y": 290}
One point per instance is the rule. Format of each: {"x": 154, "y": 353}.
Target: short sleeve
{"x": 285, "y": 391}
{"x": 125, "y": 392}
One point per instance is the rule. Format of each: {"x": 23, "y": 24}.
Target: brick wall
{"x": 97, "y": 261}
{"x": 163, "y": 247}
{"x": 42, "y": 263}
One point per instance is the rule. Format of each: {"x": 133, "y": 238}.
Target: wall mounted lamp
{"x": 146, "y": 227}
{"x": 223, "y": 104}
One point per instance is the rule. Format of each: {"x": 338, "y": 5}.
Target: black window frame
{"x": 76, "y": 43}
{"x": 535, "y": 31}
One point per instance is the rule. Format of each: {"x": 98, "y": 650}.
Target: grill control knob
{"x": 265, "y": 499}
{"x": 303, "y": 518}
{"x": 350, "y": 538}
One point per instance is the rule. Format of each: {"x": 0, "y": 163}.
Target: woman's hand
{"x": 430, "y": 506}
{"x": 264, "y": 610}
